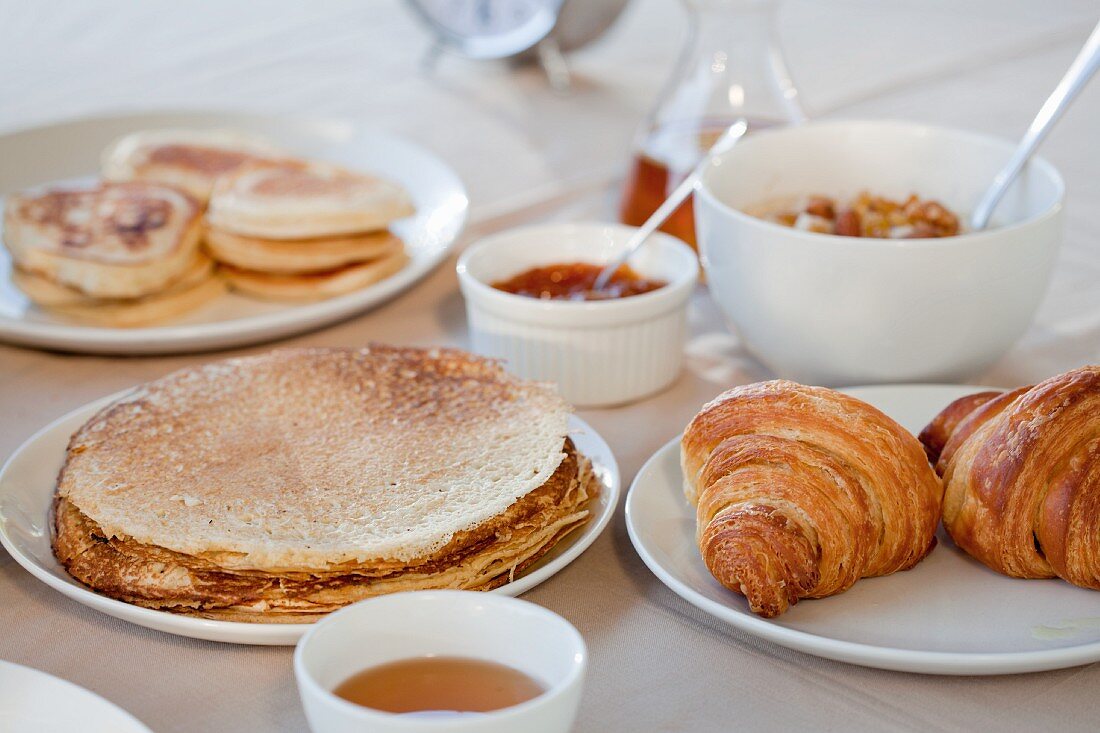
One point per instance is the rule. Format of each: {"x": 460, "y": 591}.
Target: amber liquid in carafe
{"x": 661, "y": 162}
{"x": 438, "y": 686}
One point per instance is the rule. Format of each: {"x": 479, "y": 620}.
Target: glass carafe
{"x": 731, "y": 68}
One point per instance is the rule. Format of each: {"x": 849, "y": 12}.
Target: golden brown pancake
{"x": 315, "y": 285}
{"x": 304, "y": 200}
{"x": 195, "y": 287}
{"x": 297, "y": 256}
{"x": 48, "y": 294}
{"x": 187, "y": 159}
{"x": 116, "y": 240}
{"x": 137, "y": 312}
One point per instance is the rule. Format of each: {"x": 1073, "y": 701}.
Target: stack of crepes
{"x": 278, "y": 487}
{"x": 303, "y": 230}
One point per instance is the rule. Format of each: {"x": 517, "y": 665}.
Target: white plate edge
{"x": 122, "y": 713}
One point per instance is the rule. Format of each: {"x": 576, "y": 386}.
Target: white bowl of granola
{"x": 910, "y": 299}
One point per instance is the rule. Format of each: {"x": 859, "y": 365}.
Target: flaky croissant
{"x": 801, "y": 491}
{"x": 1021, "y": 472}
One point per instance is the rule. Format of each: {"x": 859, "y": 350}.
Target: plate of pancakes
{"x": 177, "y": 232}
{"x": 242, "y": 500}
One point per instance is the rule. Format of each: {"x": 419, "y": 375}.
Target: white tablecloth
{"x": 528, "y": 154}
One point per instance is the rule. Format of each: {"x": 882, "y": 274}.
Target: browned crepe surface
{"x": 480, "y": 558}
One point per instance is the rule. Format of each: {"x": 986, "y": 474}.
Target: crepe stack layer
{"x": 304, "y": 231}
{"x": 278, "y": 487}
{"x": 118, "y": 254}
{"x": 190, "y": 160}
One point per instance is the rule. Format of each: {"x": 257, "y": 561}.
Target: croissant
{"x": 801, "y": 491}
{"x": 1021, "y": 472}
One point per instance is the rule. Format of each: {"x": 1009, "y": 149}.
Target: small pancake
{"x": 116, "y": 240}
{"x": 192, "y": 290}
{"x": 295, "y": 256}
{"x": 144, "y": 311}
{"x": 304, "y": 200}
{"x": 188, "y": 159}
{"x": 46, "y": 293}
{"x": 317, "y": 285}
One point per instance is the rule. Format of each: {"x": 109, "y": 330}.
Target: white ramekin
{"x": 836, "y": 310}
{"x": 468, "y": 624}
{"x": 598, "y": 352}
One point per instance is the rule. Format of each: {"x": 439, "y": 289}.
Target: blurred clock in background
{"x": 543, "y": 30}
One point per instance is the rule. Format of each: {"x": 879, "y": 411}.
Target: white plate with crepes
{"x": 70, "y": 151}
{"x": 27, "y": 483}
{"x": 31, "y": 700}
{"x": 948, "y": 615}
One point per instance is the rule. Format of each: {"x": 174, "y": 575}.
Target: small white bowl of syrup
{"x": 530, "y": 301}
{"x": 441, "y": 662}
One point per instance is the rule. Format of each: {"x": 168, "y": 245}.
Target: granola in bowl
{"x": 865, "y": 216}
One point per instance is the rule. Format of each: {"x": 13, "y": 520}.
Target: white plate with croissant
{"x": 804, "y": 493}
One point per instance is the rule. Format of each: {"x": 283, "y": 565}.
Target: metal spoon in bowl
{"x": 1079, "y": 73}
{"x": 727, "y": 140}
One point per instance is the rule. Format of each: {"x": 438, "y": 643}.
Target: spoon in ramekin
{"x": 725, "y": 142}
